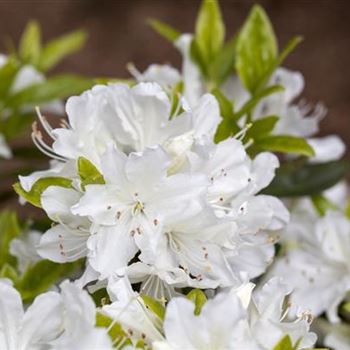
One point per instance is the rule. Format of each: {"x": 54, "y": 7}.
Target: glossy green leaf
{"x": 322, "y": 204}
{"x": 30, "y": 44}
{"x": 56, "y": 50}
{"x": 60, "y": 86}
{"x": 39, "y": 277}
{"x": 88, "y": 173}
{"x": 228, "y": 126}
{"x": 164, "y": 30}
{"x": 34, "y": 195}
{"x": 210, "y": 30}
{"x": 293, "y": 180}
{"x": 9, "y": 229}
{"x": 256, "y": 49}
{"x": 154, "y": 305}
{"x": 291, "y": 45}
{"x": 285, "y": 144}
{"x": 284, "y": 344}
{"x": 261, "y": 127}
{"x": 199, "y": 299}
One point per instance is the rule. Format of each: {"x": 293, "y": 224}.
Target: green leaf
{"x": 7, "y": 75}
{"x": 199, "y": 299}
{"x": 197, "y": 58}
{"x": 88, "y": 173}
{"x": 116, "y": 332}
{"x": 261, "y": 127}
{"x": 60, "y": 86}
{"x": 322, "y": 204}
{"x": 210, "y": 30}
{"x": 291, "y": 45}
{"x": 9, "y": 229}
{"x": 57, "y": 49}
{"x": 8, "y": 271}
{"x": 226, "y": 106}
{"x": 30, "y": 44}
{"x": 284, "y": 344}
{"x": 224, "y": 63}
{"x": 294, "y": 180}
{"x": 249, "y": 106}
{"x": 256, "y": 49}
{"x": 34, "y": 195}
{"x": 154, "y": 305}
{"x": 228, "y": 126}
{"x": 164, "y": 30}
{"x": 39, "y": 277}
{"x": 285, "y": 144}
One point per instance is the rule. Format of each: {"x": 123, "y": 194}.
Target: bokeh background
{"x": 118, "y": 34}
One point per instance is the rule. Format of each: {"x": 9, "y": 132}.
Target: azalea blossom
{"x": 316, "y": 263}
{"x": 53, "y": 320}
{"x": 259, "y": 324}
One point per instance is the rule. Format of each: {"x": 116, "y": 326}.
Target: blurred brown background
{"x": 119, "y": 34}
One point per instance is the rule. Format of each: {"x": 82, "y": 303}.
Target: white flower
{"x": 327, "y": 148}
{"x": 66, "y": 241}
{"x": 24, "y": 249}
{"x": 78, "y": 322}
{"x": 269, "y": 320}
{"x": 52, "y": 321}
{"x": 317, "y": 264}
{"x": 129, "y": 210}
{"x": 221, "y": 325}
{"x": 31, "y": 329}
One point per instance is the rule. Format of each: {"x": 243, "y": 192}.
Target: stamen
{"x": 241, "y": 134}
{"x": 45, "y": 123}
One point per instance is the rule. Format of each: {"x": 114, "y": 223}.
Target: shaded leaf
{"x": 307, "y": 179}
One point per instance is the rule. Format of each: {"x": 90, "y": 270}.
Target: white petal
{"x": 327, "y": 148}
{"x": 11, "y": 316}
{"x": 110, "y": 249}
{"x": 42, "y": 320}
{"x": 61, "y": 244}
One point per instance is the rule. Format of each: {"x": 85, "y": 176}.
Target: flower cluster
{"x": 174, "y": 225}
